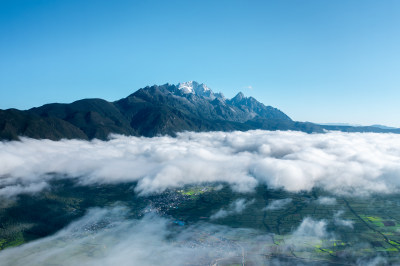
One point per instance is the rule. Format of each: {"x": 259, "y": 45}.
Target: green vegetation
{"x": 195, "y": 191}
{"x": 13, "y": 241}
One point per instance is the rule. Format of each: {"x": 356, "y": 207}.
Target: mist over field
{"x": 108, "y": 237}
{"x": 148, "y": 241}
{"x": 343, "y": 163}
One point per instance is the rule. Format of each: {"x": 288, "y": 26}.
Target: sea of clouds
{"x": 342, "y": 163}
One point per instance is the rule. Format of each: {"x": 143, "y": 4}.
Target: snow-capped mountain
{"x": 192, "y": 87}
{"x": 151, "y": 111}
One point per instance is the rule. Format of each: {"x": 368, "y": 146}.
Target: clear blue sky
{"x": 319, "y": 61}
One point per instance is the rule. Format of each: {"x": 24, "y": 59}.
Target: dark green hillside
{"x": 97, "y": 118}
{"x": 15, "y": 123}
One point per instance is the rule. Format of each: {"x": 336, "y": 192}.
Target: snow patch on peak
{"x": 186, "y": 87}
{"x": 192, "y": 87}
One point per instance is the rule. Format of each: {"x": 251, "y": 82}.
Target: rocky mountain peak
{"x": 240, "y": 96}
{"x": 193, "y": 87}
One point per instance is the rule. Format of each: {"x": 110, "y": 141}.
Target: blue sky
{"x": 318, "y": 61}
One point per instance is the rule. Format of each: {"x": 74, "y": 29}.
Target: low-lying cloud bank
{"x": 356, "y": 163}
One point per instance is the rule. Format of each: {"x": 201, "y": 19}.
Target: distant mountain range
{"x": 355, "y": 125}
{"x": 152, "y": 111}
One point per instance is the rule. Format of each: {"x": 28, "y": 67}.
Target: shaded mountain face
{"x": 193, "y": 99}
{"x": 97, "y": 118}
{"x": 150, "y": 111}
{"x": 14, "y": 123}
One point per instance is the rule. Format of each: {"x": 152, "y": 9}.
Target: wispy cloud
{"x": 277, "y": 204}
{"x": 338, "y": 220}
{"x": 235, "y": 207}
{"x": 326, "y": 201}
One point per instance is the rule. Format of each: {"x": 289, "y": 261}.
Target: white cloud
{"x": 235, "y": 207}
{"x": 12, "y": 190}
{"x": 278, "y": 204}
{"x": 310, "y": 232}
{"x": 311, "y": 228}
{"x": 342, "y": 163}
{"x": 342, "y": 222}
{"x": 326, "y": 201}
